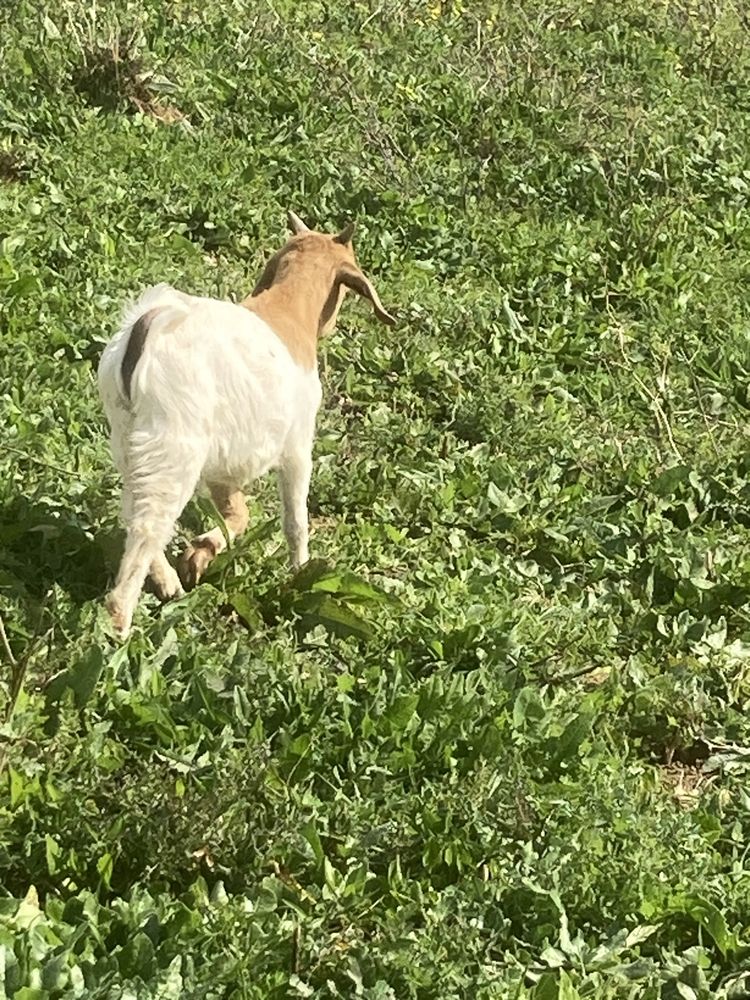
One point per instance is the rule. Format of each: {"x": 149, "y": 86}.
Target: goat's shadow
{"x": 43, "y": 545}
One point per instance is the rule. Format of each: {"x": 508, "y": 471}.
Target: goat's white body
{"x": 215, "y": 399}
{"x": 214, "y": 382}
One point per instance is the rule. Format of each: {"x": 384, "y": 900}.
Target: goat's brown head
{"x": 312, "y": 273}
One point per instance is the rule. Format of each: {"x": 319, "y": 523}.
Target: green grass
{"x": 494, "y": 742}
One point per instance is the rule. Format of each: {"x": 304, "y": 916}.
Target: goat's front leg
{"x": 203, "y": 550}
{"x": 294, "y": 483}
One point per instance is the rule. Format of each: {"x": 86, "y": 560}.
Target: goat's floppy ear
{"x": 296, "y": 224}
{"x": 358, "y": 283}
{"x": 345, "y": 236}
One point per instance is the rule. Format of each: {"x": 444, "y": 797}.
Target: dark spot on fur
{"x": 134, "y": 350}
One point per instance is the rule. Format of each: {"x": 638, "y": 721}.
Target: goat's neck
{"x": 293, "y": 307}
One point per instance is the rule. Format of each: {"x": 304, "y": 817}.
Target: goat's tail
{"x": 158, "y": 310}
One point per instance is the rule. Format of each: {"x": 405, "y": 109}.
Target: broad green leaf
{"x": 137, "y": 957}
{"x": 666, "y": 483}
{"x": 640, "y": 934}
{"x": 528, "y": 707}
{"x": 247, "y": 609}
{"x": 310, "y": 834}
{"x": 84, "y": 675}
{"x": 81, "y": 679}
{"x": 55, "y": 972}
{"x": 567, "y": 990}
{"x": 28, "y": 912}
{"x": 52, "y": 851}
{"x": 685, "y": 991}
{"x": 50, "y": 27}
{"x": 548, "y": 987}
{"x": 105, "y": 866}
{"x": 172, "y": 986}
{"x": 708, "y": 916}
{"x": 574, "y": 734}
{"x": 310, "y": 573}
{"x": 219, "y": 895}
{"x": 350, "y": 585}
{"x": 17, "y": 786}
{"x": 340, "y": 619}
{"x": 401, "y": 712}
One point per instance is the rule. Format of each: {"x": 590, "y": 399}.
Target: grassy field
{"x": 494, "y": 741}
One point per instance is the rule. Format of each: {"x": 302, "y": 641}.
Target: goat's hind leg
{"x": 156, "y": 501}
{"x": 144, "y": 543}
{"x": 164, "y": 580}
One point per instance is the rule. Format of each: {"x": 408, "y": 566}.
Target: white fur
{"x": 216, "y": 399}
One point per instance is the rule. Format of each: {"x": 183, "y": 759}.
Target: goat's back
{"x": 211, "y": 374}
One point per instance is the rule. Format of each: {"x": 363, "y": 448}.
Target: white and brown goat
{"x": 199, "y": 391}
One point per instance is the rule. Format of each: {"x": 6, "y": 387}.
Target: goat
{"x": 203, "y": 392}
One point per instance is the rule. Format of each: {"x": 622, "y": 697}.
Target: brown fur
{"x": 232, "y": 507}
{"x": 203, "y": 550}
{"x": 301, "y": 289}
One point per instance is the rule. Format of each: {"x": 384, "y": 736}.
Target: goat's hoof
{"x": 120, "y": 619}
{"x": 166, "y": 584}
{"x": 194, "y": 562}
